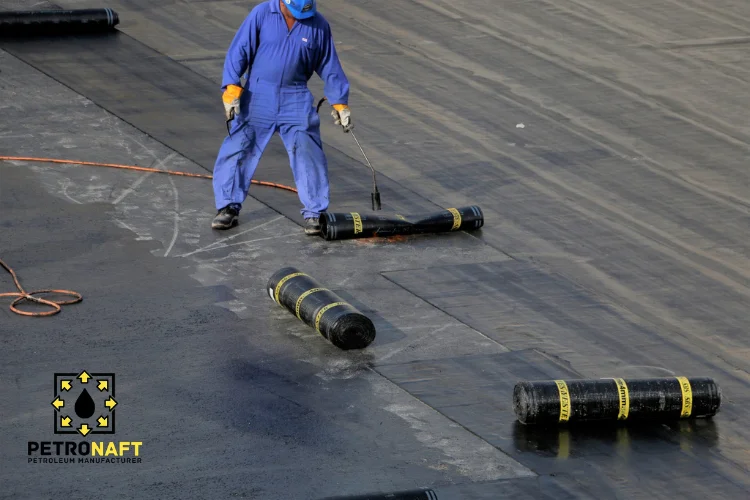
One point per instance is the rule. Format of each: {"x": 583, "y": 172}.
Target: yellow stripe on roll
{"x": 357, "y": 222}
{"x": 562, "y": 388}
{"x": 302, "y": 297}
{"x": 323, "y": 311}
{"x": 687, "y": 397}
{"x": 282, "y": 281}
{"x": 456, "y": 218}
{"x": 624, "y": 396}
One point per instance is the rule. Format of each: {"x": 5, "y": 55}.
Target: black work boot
{"x": 226, "y": 218}
{"x": 312, "y": 225}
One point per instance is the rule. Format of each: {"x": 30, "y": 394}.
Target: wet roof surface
{"x": 615, "y": 193}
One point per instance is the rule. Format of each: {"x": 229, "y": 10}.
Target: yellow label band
{"x": 357, "y": 223}
{"x": 456, "y": 218}
{"x": 622, "y": 392}
{"x": 302, "y": 297}
{"x": 687, "y": 397}
{"x": 562, "y": 388}
{"x": 323, "y": 311}
{"x": 282, "y": 281}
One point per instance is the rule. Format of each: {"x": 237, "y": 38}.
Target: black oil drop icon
{"x": 85, "y": 406}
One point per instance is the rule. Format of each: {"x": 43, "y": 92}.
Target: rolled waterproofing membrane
{"x": 56, "y": 22}
{"x": 339, "y": 322}
{"x": 655, "y": 399}
{"x": 399, "y": 495}
{"x": 343, "y": 226}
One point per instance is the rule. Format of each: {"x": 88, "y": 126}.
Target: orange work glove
{"x": 231, "y": 100}
{"x": 342, "y": 116}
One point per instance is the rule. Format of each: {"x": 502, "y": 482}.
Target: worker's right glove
{"x": 342, "y": 116}
{"x": 231, "y": 100}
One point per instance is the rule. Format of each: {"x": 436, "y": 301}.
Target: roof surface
{"x": 605, "y": 143}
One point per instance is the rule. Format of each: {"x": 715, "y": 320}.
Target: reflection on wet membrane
{"x": 588, "y": 439}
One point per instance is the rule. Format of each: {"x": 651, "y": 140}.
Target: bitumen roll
{"x": 617, "y": 399}
{"x": 57, "y": 22}
{"x": 318, "y": 307}
{"x": 342, "y": 226}
{"x": 398, "y": 495}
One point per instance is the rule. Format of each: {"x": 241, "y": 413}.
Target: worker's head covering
{"x": 301, "y": 9}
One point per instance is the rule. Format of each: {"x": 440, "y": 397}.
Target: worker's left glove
{"x": 231, "y": 100}
{"x": 342, "y": 116}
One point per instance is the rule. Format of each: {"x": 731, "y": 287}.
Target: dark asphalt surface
{"x": 616, "y": 196}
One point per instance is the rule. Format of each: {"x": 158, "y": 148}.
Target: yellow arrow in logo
{"x": 110, "y": 403}
{"x": 65, "y": 421}
{"x": 58, "y": 403}
{"x": 103, "y": 385}
{"x": 65, "y": 385}
{"x": 84, "y": 377}
{"x": 84, "y": 429}
{"x": 102, "y": 421}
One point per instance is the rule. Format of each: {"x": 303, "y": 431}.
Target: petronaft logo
{"x": 84, "y": 403}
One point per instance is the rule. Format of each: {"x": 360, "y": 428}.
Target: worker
{"x": 279, "y": 44}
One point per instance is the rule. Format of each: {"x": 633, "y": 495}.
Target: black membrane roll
{"x": 342, "y": 324}
{"x": 399, "y": 495}
{"x": 571, "y": 401}
{"x": 54, "y": 22}
{"x": 343, "y": 226}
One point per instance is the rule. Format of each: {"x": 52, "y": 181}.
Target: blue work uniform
{"x": 276, "y": 99}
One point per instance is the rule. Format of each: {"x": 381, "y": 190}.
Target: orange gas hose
{"x": 141, "y": 169}
{"x": 23, "y": 295}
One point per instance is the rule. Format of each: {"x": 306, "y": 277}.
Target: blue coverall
{"x": 275, "y": 98}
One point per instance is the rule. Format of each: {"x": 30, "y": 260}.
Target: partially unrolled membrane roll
{"x": 342, "y": 324}
{"x": 342, "y": 226}
{"x": 56, "y": 22}
{"x": 571, "y": 401}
